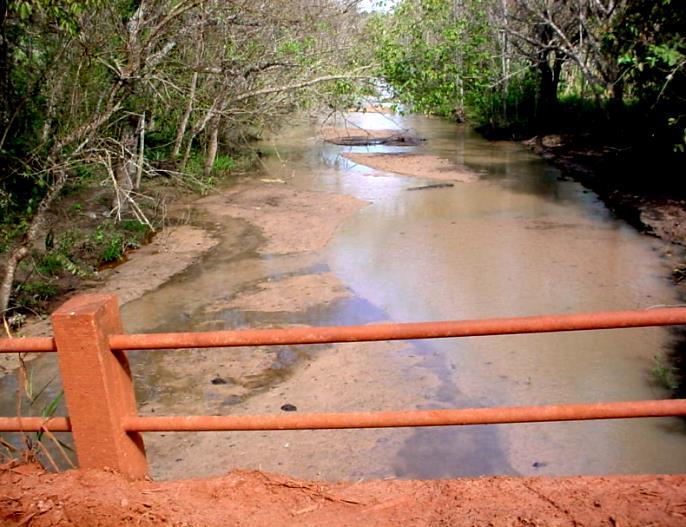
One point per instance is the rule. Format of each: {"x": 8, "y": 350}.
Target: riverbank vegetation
{"x": 111, "y": 100}
{"x": 608, "y": 70}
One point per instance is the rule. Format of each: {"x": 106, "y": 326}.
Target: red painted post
{"x": 97, "y": 385}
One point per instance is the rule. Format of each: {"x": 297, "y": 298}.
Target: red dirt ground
{"x": 31, "y": 497}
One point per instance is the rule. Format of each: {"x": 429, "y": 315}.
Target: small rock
{"x": 218, "y": 380}
{"x": 539, "y": 464}
{"x": 289, "y": 408}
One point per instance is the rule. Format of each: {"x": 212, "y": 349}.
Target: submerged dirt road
{"x": 264, "y": 266}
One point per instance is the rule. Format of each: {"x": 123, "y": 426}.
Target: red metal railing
{"x": 91, "y": 347}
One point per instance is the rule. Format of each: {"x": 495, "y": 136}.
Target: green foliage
{"x": 32, "y": 294}
{"x": 436, "y": 60}
{"x": 446, "y": 58}
{"x": 110, "y": 243}
{"x": 664, "y": 374}
{"x": 223, "y": 163}
{"x": 134, "y": 226}
{"x": 50, "y": 264}
{"x": 59, "y": 258}
{"x": 65, "y": 13}
{"x": 111, "y": 240}
{"x": 195, "y": 164}
{"x": 49, "y": 410}
{"x": 113, "y": 249}
{"x": 652, "y": 50}
{"x": 510, "y": 111}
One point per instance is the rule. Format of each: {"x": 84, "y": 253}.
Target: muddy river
{"x": 318, "y": 239}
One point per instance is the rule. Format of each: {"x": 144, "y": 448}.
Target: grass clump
{"x": 111, "y": 240}
{"x": 664, "y": 374}
{"x": 32, "y": 293}
{"x": 224, "y": 163}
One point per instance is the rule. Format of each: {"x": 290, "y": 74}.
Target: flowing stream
{"x": 519, "y": 241}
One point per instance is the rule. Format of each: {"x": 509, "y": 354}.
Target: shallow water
{"x": 519, "y": 241}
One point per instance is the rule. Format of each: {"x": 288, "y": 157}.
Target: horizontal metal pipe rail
{"x": 28, "y": 345}
{"x": 34, "y": 424}
{"x": 411, "y": 418}
{"x": 372, "y": 332}
{"x": 348, "y": 420}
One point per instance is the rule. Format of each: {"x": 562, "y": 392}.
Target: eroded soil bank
{"x": 639, "y": 191}
{"x": 248, "y": 498}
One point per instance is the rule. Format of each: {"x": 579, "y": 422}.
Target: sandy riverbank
{"x": 414, "y": 165}
{"x": 290, "y": 221}
{"x": 170, "y": 252}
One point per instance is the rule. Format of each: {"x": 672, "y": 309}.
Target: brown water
{"x": 519, "y": 241}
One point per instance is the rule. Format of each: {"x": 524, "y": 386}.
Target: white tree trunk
{"x": 183, "y": 124}
{"x": 21, "y": 250}
{"x": 212, "y": 146}
{"x": 124, "y": 171}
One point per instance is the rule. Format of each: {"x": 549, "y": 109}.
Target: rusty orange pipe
{"x": 412, "y": 418}
{"x": 34, "y": 424}
{"x": 402, "y": 331}
{"x": 373, "y": 332}
{"x": 27, "y": 345}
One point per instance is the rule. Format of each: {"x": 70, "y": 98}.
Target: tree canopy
{"x": 508, "y": 63}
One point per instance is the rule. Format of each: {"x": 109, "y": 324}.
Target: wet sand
{"x": 414, "y": 165}
{"x": 295, "y": 293}
{"x": 290, "y": 220}
{"x": 331, "y": 379}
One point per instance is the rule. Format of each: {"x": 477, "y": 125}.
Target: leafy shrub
{"x": 113, "y": 249}
{"x": 111, "y": 240}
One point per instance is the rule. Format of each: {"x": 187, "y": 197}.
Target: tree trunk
{"x": 22, "y": 249}
{"x": 183, "y": 124}
{"x": 141, "y": 152}
{"x": 18, "y": 254}
{"x": 125, "y": 170}
{"x": 212, "y": 146}
{"x": 199, "y": 127}
{"x": 617, "y": 99}
{"x": 549, "y": 80}
{"x": 187, "y": 152}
